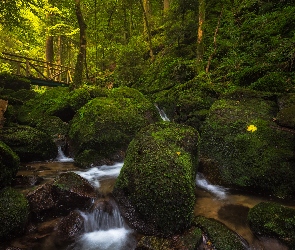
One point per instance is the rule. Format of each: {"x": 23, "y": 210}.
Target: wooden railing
{"x": 34, "y": 68}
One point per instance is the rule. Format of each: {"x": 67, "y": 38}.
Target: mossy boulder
{"x": 273, "y": 220}
{"x": 286, "y": 114}
{"x": 156, "y": 185}
{"x": 53, "y": 102}
{"x": 28, "y": 143}
{"x": 249, "y": 150}
{"x": 190, "y": 240}
{"x": 220, "y": 235}
{"x": 14, "y": 213}
{"x": 9, "y": 164}
{"x": 107, "y": 124}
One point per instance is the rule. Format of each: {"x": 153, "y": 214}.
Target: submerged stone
{"x": 155, "y": 188}
{"x": 220, "y": 236}
{"x": 273, "y": 220}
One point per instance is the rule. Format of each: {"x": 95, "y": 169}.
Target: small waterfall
{"x": 95, "y": 174}
{"x": 105, "y": 230}
{"x": 61, "y": 156}
{"x": 218, "y": 191}
{"x": 162, "y": 113}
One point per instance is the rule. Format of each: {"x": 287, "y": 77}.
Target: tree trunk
{"x": 78, "y": 75}
{"x": 166, "y": 5}
{"x": 200, "y": 42}
{"x": 147, "y": 28}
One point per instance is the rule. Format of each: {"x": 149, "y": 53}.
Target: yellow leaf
{"x": 251, "y": 128}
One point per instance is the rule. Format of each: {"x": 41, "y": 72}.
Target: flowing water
{"x": 108, "y": 231}
{"x": 162, "y": 114}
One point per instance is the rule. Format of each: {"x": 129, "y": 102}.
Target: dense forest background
{"x": 154, "y": 45}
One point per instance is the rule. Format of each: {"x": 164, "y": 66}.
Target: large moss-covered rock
{"x": 30, "y": 144}
{"x": 286, "y": 114}
{"x": 273, "y": 220}
{"x": 220, "y": 235}
{"x": 155, "y": 188}
{"x": 107, "y": 124}
{"x": 9, "y": 164}
{"x": 14, "y": 212}
{"x": 249, "y": 149}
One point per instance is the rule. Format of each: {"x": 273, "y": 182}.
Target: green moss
{"x": 249, "y": 159}
{"x": 219, "y": 235}
{"x": 286, "y": 117}
{"x": 78, "y": 98}
{"x": 30, "y": 144}
{"x": 273, "y": 220}
{"x": 107, "y": 124}
{"x": 14, "y": 212}
{"x": 13, "y": 82}
{"x": 9, "y": 164}
{"x": 87, "y": 157}
{"x": 158, "y": 175}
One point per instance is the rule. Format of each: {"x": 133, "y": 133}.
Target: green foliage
{"x": 130, "y": 62}
{"x": 273, "y": 220}
{"x": 14, "y": 213}
{"x": 219, "y": 235}
{"x": 9, "y": 164}
{"x": 158, "y": 176}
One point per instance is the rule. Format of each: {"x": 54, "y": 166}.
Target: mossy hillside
{"x": 273, "y": 220}
{"x": 14, "y": 213}
{"x": 29, "y": 143}
{"x": 262, "y": 159}
{"x": 219, "y": 235}
{"x": 108, "y": 124}
{"x": 9, "y": 164}
{"x": 158, "y": 176}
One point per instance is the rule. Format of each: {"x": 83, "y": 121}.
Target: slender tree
{"x": 200, "y": 41}
{"x": 81, "y": 57}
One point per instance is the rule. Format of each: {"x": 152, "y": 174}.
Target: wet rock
{"x": 68, "y": 228}
{"x": 71, "y": 191}
{"x": 42, "y": 203}
{"x": 189, "y": 240}
{"x": 220, "y": 236}
{"x": 27, "y": 181}
{"x": 103, "y": 205}
{"x": 155, "y": 188}
{"x": 67, "y": 192}
{"x": 273, "y": 220}
{"x": 3, "y": 107}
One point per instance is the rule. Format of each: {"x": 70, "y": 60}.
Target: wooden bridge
{"x": 39, "y": 72}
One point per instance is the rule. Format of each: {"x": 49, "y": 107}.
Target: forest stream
{"x": 103, "y": 231}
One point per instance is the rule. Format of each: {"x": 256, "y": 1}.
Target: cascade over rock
{"x": 155, "y": 188}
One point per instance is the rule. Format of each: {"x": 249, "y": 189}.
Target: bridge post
{"x": 28, "y": 70}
